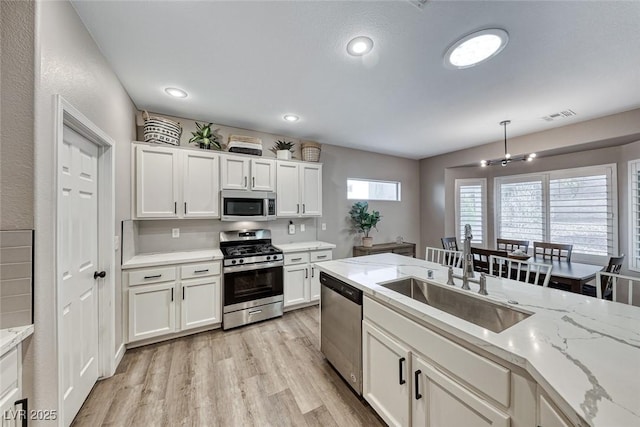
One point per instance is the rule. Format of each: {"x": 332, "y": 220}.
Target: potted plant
{"x": 282, "y": 149}
{"x": 364, "y": 221}
{"x": 205, "y": 137}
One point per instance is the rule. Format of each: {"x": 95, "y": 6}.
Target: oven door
{"x": 248, "y": 286}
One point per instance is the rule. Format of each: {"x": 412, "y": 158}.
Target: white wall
{"x": 68, "y": 63}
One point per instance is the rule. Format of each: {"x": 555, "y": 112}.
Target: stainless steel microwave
{"x": 248, "y": 205}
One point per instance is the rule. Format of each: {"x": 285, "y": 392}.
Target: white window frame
{"x": 483, "y": 185}
{"x": 546, "y": 177}
{"x": 634, "y": 215}
{"x": 397, "y": 183}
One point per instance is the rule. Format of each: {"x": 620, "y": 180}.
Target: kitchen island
{"x": 581, "y": 354}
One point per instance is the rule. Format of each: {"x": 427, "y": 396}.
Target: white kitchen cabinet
{"x": 296, "y": 284}
{"x": 386, "y": 366}
{"x": 317, "y": 256}
{"x": 549, "y": 415}
{"x": 200, "y": 184}
{"x": 437, "y": 400}
{"x": 157, "y": 189}
{"x": 152, "y": 310}
{"x": 201, "y": 301}
{"x": 299, "y": 189}
{"x": 10, "y": 386}
{"x": 243, "y": 173}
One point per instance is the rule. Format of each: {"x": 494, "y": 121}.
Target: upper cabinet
{"x": 174, "y": 183}
{"x": 242, "y": 173}
{"x": 299, "y": 190}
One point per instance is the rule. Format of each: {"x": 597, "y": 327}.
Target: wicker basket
{"x": 311, "y": 151}
{"x": 160, "y": 130}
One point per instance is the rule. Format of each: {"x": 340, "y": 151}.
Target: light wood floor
{"x": 267, "y": 374}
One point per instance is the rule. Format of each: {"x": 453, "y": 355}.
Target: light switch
{"x": 175, "y": 232}
{"x": 324, "y": 226}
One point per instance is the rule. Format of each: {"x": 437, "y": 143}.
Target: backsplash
{"x": 16, "y": 278}
{"x": 151, "y": 236}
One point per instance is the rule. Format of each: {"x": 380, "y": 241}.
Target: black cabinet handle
{"x": 201, "y": 271}
{"x": 400, "y": 363}
{"x": 99, "y": 274}
{"x": 304, "y": 208}
{"x": 313, "y": 271}
{"x": 298, "y": 208}
{"x": 322, "y": 256}
{"x": 153, "y": 277}
{"x": 185, "y": 207}
{"x": 175, "y": 208}
{"x": 416, "y": 380}
{"x": 183, "y": 293}
{"x": 296, "y": 259}
{"x": 171, "y": 294}
{"x": 306, "y": 273}
{"x": 245, "y": 182}
{"x": 253, "y": 180}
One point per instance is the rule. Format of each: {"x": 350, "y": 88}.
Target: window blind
{"x": 634, "y": 214}
{"x": 471, "y": 209}
{"x": 521, "y": 211}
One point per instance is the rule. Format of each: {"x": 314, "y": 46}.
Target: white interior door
{"x": 78, "y": 297}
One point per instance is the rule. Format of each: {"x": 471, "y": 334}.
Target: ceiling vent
{"x": 560, "y": 115}
{"x": 418, "y": 3}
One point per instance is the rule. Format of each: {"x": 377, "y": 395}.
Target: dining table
{"x": 569, "y": 273}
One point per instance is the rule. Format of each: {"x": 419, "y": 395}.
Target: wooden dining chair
{"x": 510, "y": 245}
{"x": 481, "y": 258}
{"x": 444, "y": 257}
{"x": 545, "y": 250}
{"x": 522, "y": 271}
{"x": 616, "y": 279}
{"x": 449, "y": 243}
{"x": 614, "y": 266}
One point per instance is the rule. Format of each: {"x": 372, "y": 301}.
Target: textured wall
{"x": 16, "y": 114}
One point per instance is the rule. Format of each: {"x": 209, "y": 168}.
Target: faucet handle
{"x": 483, "y": 284}
{"x": 450, "y": 277}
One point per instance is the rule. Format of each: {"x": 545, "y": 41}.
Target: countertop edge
{"x": 304, "y": 246}
{"x": 152, "y": 260}
{"x": 14, "y": 337}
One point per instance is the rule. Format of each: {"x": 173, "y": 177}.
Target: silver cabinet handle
{"x": 255, "y": 312}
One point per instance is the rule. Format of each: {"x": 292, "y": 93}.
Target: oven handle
{"x": 249, "y": 267}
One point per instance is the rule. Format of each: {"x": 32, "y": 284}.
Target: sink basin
{"x": 487, "y": 314}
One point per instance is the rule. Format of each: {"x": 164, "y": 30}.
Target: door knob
{"x": 100, "y": 274}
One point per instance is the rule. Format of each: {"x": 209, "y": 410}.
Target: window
{"x": 575, "y": 206}
{"x": 471, "y": 208}
{"x": 367, "y": 189}
{"x": 634, "y": 215}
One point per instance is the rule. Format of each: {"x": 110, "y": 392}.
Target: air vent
{"x": 418, "y": 3}
{"x": 560, "y": 115}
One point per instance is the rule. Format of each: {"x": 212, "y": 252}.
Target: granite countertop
{"x": 150, "y": 260}
{"x": 304, "y": 246}
{"x": 11, "y": 337}
{"x": 580, "y": 348}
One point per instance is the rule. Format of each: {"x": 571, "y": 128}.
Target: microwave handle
{"x": 266, "y": 207}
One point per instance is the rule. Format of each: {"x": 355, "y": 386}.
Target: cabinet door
{"x": 315, "y": 273}
{"x": 437, "y": 400}
{"x": 296, "y": 284}
{"x": 234, "y": 172}
{"x": 152, "y": 311}
{"x": 157, "y": 182}
{"x": 263, "y": 175}
{"x": 201, "y": 302}
{"x": 548, "y": 415}
{"x": 10, "y": 386}
{"x": 288, "y": 189}
{"x": 385, "y": 375}
{"x": 201, "y": 186}
{"x": 311, "y": 189}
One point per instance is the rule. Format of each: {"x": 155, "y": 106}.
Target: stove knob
{"x": 268, "y": 257}
{"x": 233, "y": 261}
{"x": 241, "y": 261}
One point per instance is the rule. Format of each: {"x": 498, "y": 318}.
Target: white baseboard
{"x": 118, "y": 356}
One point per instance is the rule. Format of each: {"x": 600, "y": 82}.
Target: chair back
{"x": 510, "y": 245}
{"x": 481, "y": 258}
{"x": 614, "y": 266}
{"x": 616, "y": 279}
{"x": 522, "y": 271}
{"x": 449, "y": 243}
{"x": 444, "y": 257}
{"x": 552, "y": 250}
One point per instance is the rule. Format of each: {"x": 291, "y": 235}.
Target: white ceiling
{"x": 246, "y": 64}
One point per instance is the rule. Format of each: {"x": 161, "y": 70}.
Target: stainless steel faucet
{"x": 467, "y": 258}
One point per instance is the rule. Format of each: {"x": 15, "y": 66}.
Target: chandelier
{"x": 508, "y": 158}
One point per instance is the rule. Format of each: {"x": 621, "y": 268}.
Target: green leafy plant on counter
{"x": 363, "y": 220}
{"x": 205, "y": 137}
{"x": 282, "y": 146}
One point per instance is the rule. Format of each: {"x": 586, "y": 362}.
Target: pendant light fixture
{"x": 508, "y": 158}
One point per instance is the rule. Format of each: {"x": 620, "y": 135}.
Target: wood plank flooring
{"x": 267, "y": 374}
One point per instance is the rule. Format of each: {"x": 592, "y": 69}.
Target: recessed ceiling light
{"x": 291, "y": 117}
{"x": 476, "y": 48}
{"x": 175, "y": 92}
{"x": 360, "y": 46}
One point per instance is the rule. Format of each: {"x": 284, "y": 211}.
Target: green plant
{"x": 205, "y": 137}
{"x": 364, "y": 221}
{"x": 282, "y": 145}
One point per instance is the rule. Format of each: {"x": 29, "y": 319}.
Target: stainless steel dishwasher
{"x": 341, "y": 329}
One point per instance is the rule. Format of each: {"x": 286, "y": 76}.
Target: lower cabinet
{"x": 301, "y": 277}
{"x": 548, "y": 414}
{"x": 189, "y": 297}
{"x": 11, "y": 387}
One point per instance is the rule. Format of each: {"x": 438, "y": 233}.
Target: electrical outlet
{"x": 292, "y": 229}
{"x": 302, "y": 227}
{"x": 175, "y": 233}
{"x": 324, "y": 226}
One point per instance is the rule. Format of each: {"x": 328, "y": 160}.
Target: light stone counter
{"x": 11, "y": 337}
{"x": 150, "y": 260}
{"x": 304, "y": 246}
{"x": 586, "y": 351}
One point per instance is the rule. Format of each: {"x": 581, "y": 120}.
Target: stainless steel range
{"x": 253, "y": 277}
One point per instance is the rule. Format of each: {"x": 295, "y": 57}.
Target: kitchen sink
{"x": 482, "y": 312}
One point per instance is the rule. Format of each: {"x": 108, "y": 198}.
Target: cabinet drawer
{"x": 318, "y": 256}
{"x": 152, "y": 275}
{"x": 8, "y": 374}
{"x": 482, "y": 374}
{"x": 296, "y": 258}
{"x": 200, "y": 270}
